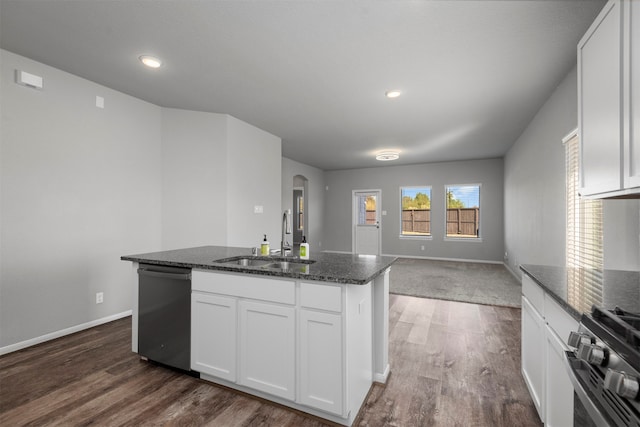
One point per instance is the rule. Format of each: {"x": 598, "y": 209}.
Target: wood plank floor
{"x": 452, "y": 364}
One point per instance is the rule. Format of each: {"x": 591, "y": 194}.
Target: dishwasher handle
{"x": 164, "y": 274}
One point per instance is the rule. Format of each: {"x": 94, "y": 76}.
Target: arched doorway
{"x": 300, "y": 208}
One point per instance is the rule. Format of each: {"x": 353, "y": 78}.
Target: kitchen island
{"x": 308, "y": 334}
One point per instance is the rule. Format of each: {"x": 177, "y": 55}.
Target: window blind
{"x": 584, "y": 257}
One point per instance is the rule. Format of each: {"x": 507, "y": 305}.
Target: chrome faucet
{"x": 286, "y": 229}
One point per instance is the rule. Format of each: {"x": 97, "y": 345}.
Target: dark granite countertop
{"x": 327, "y": 267}
{"x": 615, "y": 288}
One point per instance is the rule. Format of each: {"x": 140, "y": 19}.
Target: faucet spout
{"x": 286, "y": 229}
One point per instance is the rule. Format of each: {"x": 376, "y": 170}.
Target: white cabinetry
{"x": 532, "y": 357}
{"x": 213, "y": 349}
{"x": 321, "y": 361}
{"x": 267, "y": 348}
{"x": 321, "y": 343}
{"x": 631, "y": 56}
{"x": 558, "y": 389}
{"x": 545, "y": 328}
{"x": 607, "y": 75}
{"x": 308, "y": 345}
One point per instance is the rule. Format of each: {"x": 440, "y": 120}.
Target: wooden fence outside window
{"x": 462, "y": 222}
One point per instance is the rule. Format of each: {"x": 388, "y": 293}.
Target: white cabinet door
{"x": 558, "y": 388}
{"x": 632, "y": 101}
{"x": 213, "y": 335}
{"x": 321, "y": 361}
{"x": 533, "y": 354}
{"x": 599, "y": 103}
{"x": 267, "y": 348}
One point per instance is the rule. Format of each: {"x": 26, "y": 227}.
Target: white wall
{"x": 534, "y": 187}
{"x": 81, "y": 186}
{"x": 253, "y": 179}
{"x": 216, "y": 168}
{"x": 389, "y": 179}
{"x": 194, "y": 178}
{"x": 314, "y": 200}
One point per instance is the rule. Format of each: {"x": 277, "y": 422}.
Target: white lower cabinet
{"x": 267, "y": 348}
{"x": 533, "y": 341}
{"x": 213, "y": 348}
{"x": 558, "y": 389}
{"x": 307, "y": 345}
{"x": 545, "y": 329}
{"x": 321, "y": 361}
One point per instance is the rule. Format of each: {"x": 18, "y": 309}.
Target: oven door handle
{"x": 590, "y": 405}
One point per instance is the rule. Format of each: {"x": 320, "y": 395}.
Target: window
{"x": 463, "y": 211}
{"x": 584, "y": 237}
{"x": 415, "y": 206}
{"x": 367, "y": 209}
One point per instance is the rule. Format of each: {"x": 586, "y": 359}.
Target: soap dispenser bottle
{"x": 304, "y": 248}
{"x": 264, "y": 247}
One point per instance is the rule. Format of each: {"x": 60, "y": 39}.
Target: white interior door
{"x": 366, "y": 222}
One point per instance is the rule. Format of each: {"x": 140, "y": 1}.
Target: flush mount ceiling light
{"x": 150, "y": 61}
{"x": 385, "y": 156}
{"x": 392, "y": 93}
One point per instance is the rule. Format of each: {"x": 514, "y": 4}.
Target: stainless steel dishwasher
{"x": 164, "y": 315}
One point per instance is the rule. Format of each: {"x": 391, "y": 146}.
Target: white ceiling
{"x": 473, "y": 73}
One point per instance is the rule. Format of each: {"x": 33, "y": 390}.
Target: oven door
{"x": 586, "y": 409}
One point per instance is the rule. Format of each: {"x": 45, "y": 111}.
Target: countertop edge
{"x": 264, "y": 273}
{"x": 557, "y": 298}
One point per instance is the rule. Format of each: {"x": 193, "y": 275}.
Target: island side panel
{"x": 134, "y": 309}
{"x": 381, "y": 327}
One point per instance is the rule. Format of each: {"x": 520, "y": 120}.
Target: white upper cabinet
{"x": 599, "y": 103}
{"x": 632, "y": 94}
{"x": 608, "y": 159}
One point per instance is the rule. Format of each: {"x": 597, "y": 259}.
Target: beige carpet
{"x": 489, "y": 284}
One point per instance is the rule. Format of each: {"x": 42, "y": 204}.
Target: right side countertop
{"x": 568, "y": 286}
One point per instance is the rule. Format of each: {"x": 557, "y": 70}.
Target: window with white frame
{"x": 463, "y": 211}
{"x": 415, "y": 211}
{"x": 584, "y": 237}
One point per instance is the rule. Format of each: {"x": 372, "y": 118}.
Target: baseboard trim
{"x": 513, "y": 273}
{"x": 480, "y": 261}
{"x": 57, "y": 334}
{"x": 382, "y": 378}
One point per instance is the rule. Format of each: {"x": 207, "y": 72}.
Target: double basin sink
{"x": 282, "y": 264}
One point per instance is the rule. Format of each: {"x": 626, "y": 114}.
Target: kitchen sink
{"x": 288, "y": 266}
{"x": 270, "y": 263}
{"x": 246, "y": 262}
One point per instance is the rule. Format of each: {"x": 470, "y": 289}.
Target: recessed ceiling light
{"x": 150, "y": 61}
{"x": 385, "y": 156}
{"x": 392, "y": 93}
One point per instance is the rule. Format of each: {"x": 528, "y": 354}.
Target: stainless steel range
{"x": 605, "y": 367}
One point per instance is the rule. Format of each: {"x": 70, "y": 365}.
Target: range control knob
{"x": 593, "y": 354}
{"x": 621, "y": 383}
{"x": 577, "y": 338}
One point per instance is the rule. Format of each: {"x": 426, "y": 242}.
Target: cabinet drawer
{"x": 561, "y": 322}
{"x": 245, "y": 286}
{"x": 323, "y": 297}
{"x": 534, "y": 293}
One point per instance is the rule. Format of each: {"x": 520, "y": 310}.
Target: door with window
{"x": 366, "y": 222}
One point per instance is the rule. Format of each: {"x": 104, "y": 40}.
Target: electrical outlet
{"x": 422, "y": 248}
{"x": 99, "y": 297}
